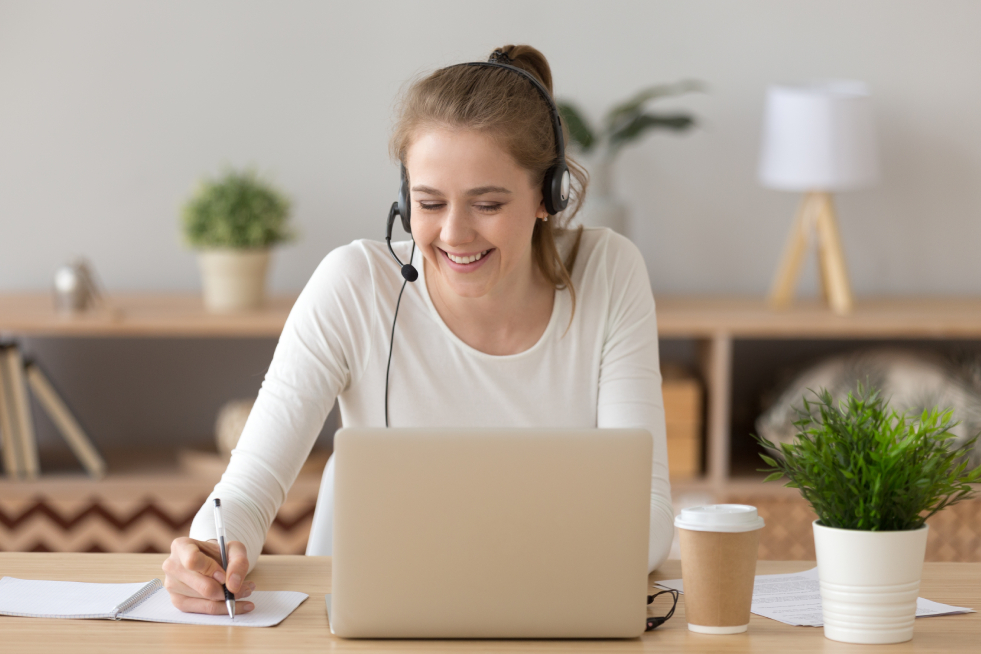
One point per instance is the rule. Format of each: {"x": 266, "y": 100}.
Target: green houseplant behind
{"x": 873, "y": 477}
{"x": 233, "y": 222}
{"x": 622, "y": 125}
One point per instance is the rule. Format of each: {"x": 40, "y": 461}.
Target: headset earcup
{"x": 555, "y": 189}
{"x": 404, "y": 205}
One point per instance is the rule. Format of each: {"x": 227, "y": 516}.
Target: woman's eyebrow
{"x": 480, "y": 190}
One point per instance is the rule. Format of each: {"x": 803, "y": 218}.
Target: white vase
{"x": 233, "y": 280}
{"x": 606, "y": 212}
{"x": 603, "y": 208}
{"x": 869, "y": 582}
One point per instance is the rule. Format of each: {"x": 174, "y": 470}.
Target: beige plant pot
{"x": 233, "y": 280}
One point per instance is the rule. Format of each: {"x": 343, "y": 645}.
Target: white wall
{"x": 110, "y": 111}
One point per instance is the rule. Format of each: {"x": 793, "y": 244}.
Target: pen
{"x": 220, "y": 529}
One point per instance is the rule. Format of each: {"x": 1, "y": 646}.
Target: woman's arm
{"x": 630, "y": 377}
{"x": 323, "y": 348}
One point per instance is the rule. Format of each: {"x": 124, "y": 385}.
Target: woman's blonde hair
{"x": 504, "y": 105}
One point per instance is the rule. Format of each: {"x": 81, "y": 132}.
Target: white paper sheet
{"x": 271, "y": 608}
{"x": 795, "y": 599}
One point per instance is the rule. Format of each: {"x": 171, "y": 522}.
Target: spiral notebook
{"x": 148, "y": 602}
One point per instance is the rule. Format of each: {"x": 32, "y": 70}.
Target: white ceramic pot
{"x": 233, "y": 280}
{"x": 606, "y": 211}
{"x": 869, "y": 582}
{"x": 603, "y": 208}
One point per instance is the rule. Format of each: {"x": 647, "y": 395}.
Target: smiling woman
{"x": 488, "y": 336}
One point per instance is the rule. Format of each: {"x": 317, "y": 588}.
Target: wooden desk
{"x": 307, "y": 630}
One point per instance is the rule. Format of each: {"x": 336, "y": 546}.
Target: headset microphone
{"x": 409, "y": 271}
{"x": 410, "y": 274}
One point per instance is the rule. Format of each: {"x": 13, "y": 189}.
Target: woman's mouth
{"x": 466, "y": 261}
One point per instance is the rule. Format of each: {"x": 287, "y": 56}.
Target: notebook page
{"x": 271, "y": 608}
{"x": 62, "y": 599}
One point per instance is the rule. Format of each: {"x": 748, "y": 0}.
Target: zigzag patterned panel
{"x": 98, "y": 524}
{"x": 955, "y": 532}
{"x": 141, "y": 517}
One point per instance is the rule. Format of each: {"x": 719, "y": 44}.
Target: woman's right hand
{"x": 194, "y": 576}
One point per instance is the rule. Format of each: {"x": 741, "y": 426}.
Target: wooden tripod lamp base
{"x": 816, "y": 216}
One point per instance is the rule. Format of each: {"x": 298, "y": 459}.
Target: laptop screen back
{"x": 490, "y": 533}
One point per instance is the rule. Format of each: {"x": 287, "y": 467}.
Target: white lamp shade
{"x": 819, "y": 137}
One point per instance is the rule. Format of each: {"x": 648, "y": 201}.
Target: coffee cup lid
{"x": 730, "y": 518}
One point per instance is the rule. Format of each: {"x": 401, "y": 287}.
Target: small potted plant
{"x": 233, "y": 221}
{"x": 873, "y": 477}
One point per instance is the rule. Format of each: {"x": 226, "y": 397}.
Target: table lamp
{"x": 817, "y": 138}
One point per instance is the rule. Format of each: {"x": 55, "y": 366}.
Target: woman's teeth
{"x": 465, "y": 260}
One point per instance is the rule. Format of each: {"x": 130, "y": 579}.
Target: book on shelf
{"x": 682, "y": 396}
{"x": 24, "y": 422}
{"x": 65, "y": 421}
{"x": 9, "y": 440}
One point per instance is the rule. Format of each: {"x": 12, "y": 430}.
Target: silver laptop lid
{"x": 490, "y": 533}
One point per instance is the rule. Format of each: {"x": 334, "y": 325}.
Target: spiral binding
{"x": 137, "y": 597}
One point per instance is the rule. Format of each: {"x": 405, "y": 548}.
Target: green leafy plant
{"x": 863, "y": 466}
{"x": 237, "y": 210}
{"x": 628, "y": 121}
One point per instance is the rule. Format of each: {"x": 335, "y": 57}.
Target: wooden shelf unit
{"x": 713, "y": 323}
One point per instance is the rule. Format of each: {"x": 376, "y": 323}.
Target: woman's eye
{"x": 484, "y": 208}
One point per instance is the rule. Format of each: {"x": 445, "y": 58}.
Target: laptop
{"x": 490, "y": 533}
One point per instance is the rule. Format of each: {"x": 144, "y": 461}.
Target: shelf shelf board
{"x": 183, "y": 315}
{"x": 157, "y": 315}
{"x": 885, "y": 317}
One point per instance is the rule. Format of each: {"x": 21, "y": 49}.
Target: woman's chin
{"x": 464, "y": 285}
{"x": 469, "y": 289}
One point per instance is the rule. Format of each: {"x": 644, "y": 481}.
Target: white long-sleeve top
{"x": 601, "y": 371}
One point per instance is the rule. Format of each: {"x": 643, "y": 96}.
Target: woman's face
{"x": 473, "y": 212}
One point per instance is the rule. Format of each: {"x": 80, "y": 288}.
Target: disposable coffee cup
{"x": 719, "y": 543}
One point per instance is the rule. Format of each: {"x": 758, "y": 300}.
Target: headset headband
{"x": 556, "y": 118}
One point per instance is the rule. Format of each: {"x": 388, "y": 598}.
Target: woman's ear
{"x": 542, "y": 212}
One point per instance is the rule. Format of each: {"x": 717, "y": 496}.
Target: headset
{"x": 555, "y": 188}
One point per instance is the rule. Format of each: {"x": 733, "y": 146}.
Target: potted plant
{"x": 873, "y": 477}
{"x": 622, "y": 125}
{"x": 233, "y": 221}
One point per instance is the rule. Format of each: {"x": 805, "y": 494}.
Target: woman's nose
{"x": 456, "y": 228}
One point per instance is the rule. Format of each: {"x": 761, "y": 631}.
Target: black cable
{"x": 391, "y": 342}
{"x": 655, "y": 622}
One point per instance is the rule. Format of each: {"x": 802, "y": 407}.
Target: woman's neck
{"x": 507, "y": 322}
